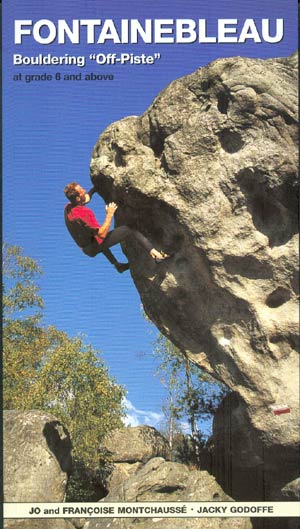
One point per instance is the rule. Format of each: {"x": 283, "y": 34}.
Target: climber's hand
{"x": 111, "y": 208}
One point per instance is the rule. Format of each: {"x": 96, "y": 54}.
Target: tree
{"x": 44, "y": 368}
{"x": 23, "y": 338}
{"x": 192, "y": 393}
{"x": 169, "y": 373}
{"x": 20, "y": 291}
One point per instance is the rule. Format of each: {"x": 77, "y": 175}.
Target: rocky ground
{"x": 141, "y": 474}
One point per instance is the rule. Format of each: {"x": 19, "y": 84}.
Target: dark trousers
{"x": 115, "y": 237}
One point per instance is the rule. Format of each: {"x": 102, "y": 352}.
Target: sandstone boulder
{"x": 37, "y": 459}
{"x": 158, "y": 481}
{"x": 209, "y": 172}
{"x": 135, "y": 444}
{"x": 129, "y": 448}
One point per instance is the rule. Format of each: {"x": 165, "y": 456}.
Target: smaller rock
{"x": 120, "y": 473}
{"x": 291, "y": 491}
{"x": 135, "y": 444}
{"x": 37, "y": 457}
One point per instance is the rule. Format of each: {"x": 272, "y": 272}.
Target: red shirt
{"x": 82, "y": 225}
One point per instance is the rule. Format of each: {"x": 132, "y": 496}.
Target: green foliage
{"x": 73, "y": 383}
{"x": 44, "y": 368}
{"x": 88, "y": 485}
{"x": 23, "y": 338}
{"x": 19, "y": 289}
{"x": 192, "y": 451}
{"x": 195, "y": 392}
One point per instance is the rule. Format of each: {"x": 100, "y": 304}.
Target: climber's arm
{"x": 110, "y": 211}
{"x": 89, "y": 194}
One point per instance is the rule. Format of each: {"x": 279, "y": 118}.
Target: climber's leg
{"x": 95, "y": 248}
{"x": 122, "y": 232}
{"x": 117, "y": 236}
{"x": 120, "y": 267}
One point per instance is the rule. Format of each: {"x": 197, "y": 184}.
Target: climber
{"x": 93, "y": 238}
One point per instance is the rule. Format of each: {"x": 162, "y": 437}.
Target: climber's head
{"x": 75, "y": 193}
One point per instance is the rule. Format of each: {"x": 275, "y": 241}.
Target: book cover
{"x": 150, "y": 161}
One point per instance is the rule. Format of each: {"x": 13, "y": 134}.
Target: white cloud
{"x": 136, "y": 417}
{"x": 185, "y": 427}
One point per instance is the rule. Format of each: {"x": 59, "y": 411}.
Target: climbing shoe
{"x": 164, "y": 257}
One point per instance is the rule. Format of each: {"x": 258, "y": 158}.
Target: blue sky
{"x": 50, "y": 129}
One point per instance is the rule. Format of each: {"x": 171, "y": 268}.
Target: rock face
{"x": 209, "y": 172}
{"x": 37, "y": 458}
{"x": 240, "y": 458}
{"x": 158, "y": 481}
